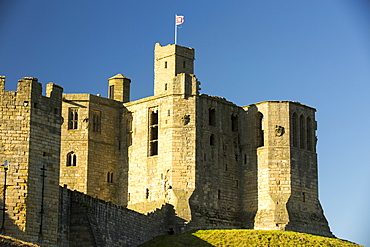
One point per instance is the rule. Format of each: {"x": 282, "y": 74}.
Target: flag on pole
{"x": 179, "y": 19}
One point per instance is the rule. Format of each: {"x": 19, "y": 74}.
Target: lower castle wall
{"x": 88, "y": 221}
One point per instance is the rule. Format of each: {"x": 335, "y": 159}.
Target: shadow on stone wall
{"x": 94, "y": 222}
{"x": 312, "y": 222}
{"x": 7, "y": 224}
{"x": 249, "y": 165}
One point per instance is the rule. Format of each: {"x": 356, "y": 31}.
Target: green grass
{"x": 244, "y": 238}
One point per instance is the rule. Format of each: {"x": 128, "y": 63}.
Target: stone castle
{"x": 77, "y": 164}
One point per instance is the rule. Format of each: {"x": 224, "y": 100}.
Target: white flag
{"x": 179, "y": 19}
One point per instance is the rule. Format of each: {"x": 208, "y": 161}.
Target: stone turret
{"x": 169, "y": 62}
{"x": 119, "y": 88}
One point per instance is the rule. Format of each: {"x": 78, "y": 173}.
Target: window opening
{"x": 153, "y": 132}
{"x": 234, "y": 122}
{"x": 219, "y": 194}
{"x": 96, "y": 121}
{"x": 304, "y": 196}
{"x": 212, "y": 117}
{"x": 302, "y": 131}
{"x": 110, "y": 177}
{"x": 295, "y": 129}
{"x": 259, "y": 129}
{"x": 111, "y": 92}
{"x": 309, "y": 134}
{"x": 129, "y": 129}
{"x": 165, "y": 86}
{"x": 147, "y": 194}
{"x": 165, "y": 64}
{"x": 212, "y": 140}
{"x": 184, "y": 64}
{"x": 73, "y": 118}
{"x": 71, "y": 159}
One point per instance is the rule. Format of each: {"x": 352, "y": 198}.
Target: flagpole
{"x": 175, "y": 30}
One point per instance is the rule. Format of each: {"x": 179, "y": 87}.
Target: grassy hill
{"x": 244, "y": 238}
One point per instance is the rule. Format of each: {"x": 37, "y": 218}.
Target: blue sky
{"x": 315, "y": 52}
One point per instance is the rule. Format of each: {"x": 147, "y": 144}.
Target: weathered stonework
{"x": 215, "y": 164}
{"x": 218, "y": 164}
{"x": 30, "y": 142}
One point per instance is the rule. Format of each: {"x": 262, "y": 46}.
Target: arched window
{"x": 309, "y": 134}
{"x": 71, "y": 159}
{"x": 259, "y": 130}
{"x": 302, "y": 132}
{"x": 295, "y": 130}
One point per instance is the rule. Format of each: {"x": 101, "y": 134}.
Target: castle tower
{"x": 30, "y": 143}
{"x": 92, "y": 143}
{"x": 119, "y": 88}
{"x": 283, "y": 158}
{"x": 170, "y": 61}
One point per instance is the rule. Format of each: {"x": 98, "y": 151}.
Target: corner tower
{"x": 283, "y": 162}
{"x": 170, "y": 61}
{"x": 30, "y": 144}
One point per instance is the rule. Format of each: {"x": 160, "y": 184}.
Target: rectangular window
{"x": 73, "y": 118}
{"x": 111, "y": 92}
{"x": 153, "y": 132}
{"x": 259, "y": 130}
{"x": 212, "y": 117}
{"x": 129, "y": 129}
{"x": 96, "y": 123}
{"x": 234, "y": 122}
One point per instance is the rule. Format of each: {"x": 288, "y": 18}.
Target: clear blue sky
{"x": 314, "y": 51}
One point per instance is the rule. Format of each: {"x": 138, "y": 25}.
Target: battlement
{"x": 172, "y": 49}
{"x": 29, "y": 87}
{"x": 170, "y": 61}
{"x": 29, "y": 93}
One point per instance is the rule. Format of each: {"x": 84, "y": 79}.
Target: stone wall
{"x": 285, "y": 168}
{"x": 97, "y": 143}
{"x": 216, "y": 199}
{"x": 88, "y": 221}
{"x": 30, "y": 142}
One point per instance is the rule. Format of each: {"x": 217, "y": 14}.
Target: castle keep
{"x": 184, "y": 159}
